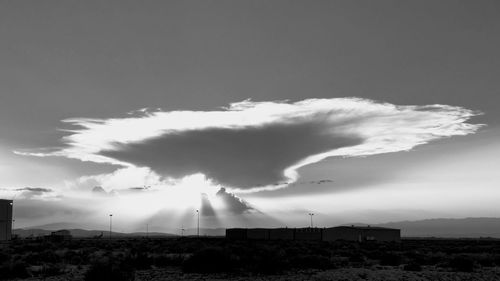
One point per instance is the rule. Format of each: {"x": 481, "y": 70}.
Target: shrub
{"x": 485, "y": 259}
{"x": 14, "y": 270}
{"x": 310, "y": 261}
{"x": 4, "y": 257}
{"x": 140, "y": 261}
{"x": 391, "y": 259}
{"x": 462, "y": 264}
{"x": 106, "y": 271}
{"x": 268, "y": 261}
{"x": 413, "y": 266}
{"x": 357, "y": 258}
{"x": 50, "y": 270}
{"x": 76, "y": 260}
{"x": 208, "y": 260}
{"x": 168, "y": 259}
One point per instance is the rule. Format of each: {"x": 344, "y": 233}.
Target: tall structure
{"x": 5, "y": 219}
{"x": 198, "y": 227}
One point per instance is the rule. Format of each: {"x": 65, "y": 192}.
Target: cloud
{"x": 33, "y": 192}
{"x": 232, "y": 203}
{"x": 129, "y": 178}
{"x": 99, "y": 191}
{"x": 321, "y": 181}
{"x": 207, "y": 209}
{"x": 35, "y": 189}
{"x": 28, "y": 193}
{"x": 233, "y": 157}
{"x": 259, "y": 145}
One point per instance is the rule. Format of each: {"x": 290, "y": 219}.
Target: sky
{"x": 256, "y": 113}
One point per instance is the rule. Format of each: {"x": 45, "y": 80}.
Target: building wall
{"x": 258, "y": 233}
{"x": 308, "y": 233}
{"x": 361, "y": 234}
{"x": 5, "y": 219}
{"x": 382, "y": 235}
{"x": 342, "y": 233}
{"x": 347, "y": 233}
{"x": 236, "y": 233}
{"x": 282, "y": 234}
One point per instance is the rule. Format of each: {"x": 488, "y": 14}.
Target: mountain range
{"x": 441, "y": 227}
{"x": 449, "y": 228}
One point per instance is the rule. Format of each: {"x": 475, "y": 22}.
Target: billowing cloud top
{"x": 259, "y": 144}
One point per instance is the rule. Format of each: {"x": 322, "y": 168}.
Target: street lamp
{"x": 198, "y": 228}
{"x": 311, "y": 215}
{"x": 110, "y": 224}
{"x": 7, "y": 234}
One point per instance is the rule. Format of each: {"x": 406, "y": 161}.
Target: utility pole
{"x": 110, "y": 225}
{"x": 311, "y": 215}
{"x": 9, "y": 235}
{"x": 198, "y": 228}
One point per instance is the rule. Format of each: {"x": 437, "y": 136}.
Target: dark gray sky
{"x": 102, "y": 59}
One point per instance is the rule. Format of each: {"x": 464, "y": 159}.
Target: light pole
{"x": 12, "y": 221}
{"x": 311, "y": 215}
{"x": 110, "y": 225}
{"x": 147, "y": 230}
{"x": 198, "y": 228}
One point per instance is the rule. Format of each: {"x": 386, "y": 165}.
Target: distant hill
{"x": 31, "y": 232}
{"x": 448, "y": 228}
{"x": 83, "y": 233}
{"x": 442, "y": 227}
{"x": 57, "y": 226}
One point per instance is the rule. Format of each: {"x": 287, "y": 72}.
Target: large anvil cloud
{"x": 260, "y": 144}
{"x": 236, "y": 157}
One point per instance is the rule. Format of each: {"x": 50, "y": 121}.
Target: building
{"x": 236, "y": 233}
{"x": 59, "y": 235}
{"x": 5, "y": 219}
{"x": 309, "y": 233}
{"x": 282, "y": 234}
{"x": 258, "y": 233}
{"x": 348, "y": 233}
{"x": 361, "y": 233}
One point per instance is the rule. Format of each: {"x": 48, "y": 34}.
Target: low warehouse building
{"x": 236, "y": 233}
{"x": 348, "y": 233}
{"x": 59, "y": 235}
{"x": 282, "y": 234}
{"x": 361, "y": 233}
{"x": 258, "y": 233}
{"x": 308, "y": 233}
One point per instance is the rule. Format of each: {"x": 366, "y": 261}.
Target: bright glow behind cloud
{"x": 259, "y": 145}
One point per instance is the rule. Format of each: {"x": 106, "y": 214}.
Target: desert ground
{"x": 143, "y": 259}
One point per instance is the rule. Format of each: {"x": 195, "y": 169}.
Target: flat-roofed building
{"x": 258, "y": 233}
{"x": 348, "y": 233}
{"x": 236, "y": 233}
{"x": 361, "y": 234}
{"x": 59, "y": 235}
{"x": 282, "y": 234}
{"x": 5, "y": 219}
{"x": 308, "y": 233}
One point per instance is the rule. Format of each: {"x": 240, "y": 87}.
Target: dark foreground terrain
{"x": 221, "y": 259}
